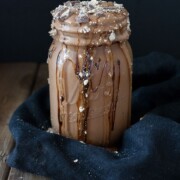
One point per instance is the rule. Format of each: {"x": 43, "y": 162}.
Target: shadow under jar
{"x": 90, "y": 71}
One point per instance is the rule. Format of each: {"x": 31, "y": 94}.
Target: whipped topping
{"x": 108, "y": 21}
{"x": 84, "y": 9}
{"x": 53, "y": 32}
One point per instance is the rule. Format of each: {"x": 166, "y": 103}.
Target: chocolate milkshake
{"x": 90, "y": 67}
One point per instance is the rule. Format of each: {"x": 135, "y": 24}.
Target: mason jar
{"x": 90, "y": 71}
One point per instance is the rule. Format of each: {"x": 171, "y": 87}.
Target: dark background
{"x": 24, "y": 27}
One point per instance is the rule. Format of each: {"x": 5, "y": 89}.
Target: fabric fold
{"x": 149, "y": 149}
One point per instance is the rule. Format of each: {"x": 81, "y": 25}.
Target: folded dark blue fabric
{"x": 149, "y": 149}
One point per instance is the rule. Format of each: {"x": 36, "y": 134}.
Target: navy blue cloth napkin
{"x": 148, "y": 150}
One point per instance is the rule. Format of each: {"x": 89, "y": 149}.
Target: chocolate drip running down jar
{"x": 90, "y": 71}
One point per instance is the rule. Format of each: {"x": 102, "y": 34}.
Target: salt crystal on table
{"x": 75, "y": 161}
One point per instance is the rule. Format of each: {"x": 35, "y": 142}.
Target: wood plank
{"x": 6, "y": 143}
{"x": 42, "y": 77}
{"x": 16, "y": 80}
{"x": 41, "y": 80}
{"x": 17, "y": 175}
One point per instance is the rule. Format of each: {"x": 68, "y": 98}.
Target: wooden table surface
{"x": 17, "y": 82}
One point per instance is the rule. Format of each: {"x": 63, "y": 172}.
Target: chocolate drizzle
{"x": 115, "y": 95}
{"x": 83, "y": 75}
{"x": 127, "y": 51}
{"x": 59, "y": 98}
{"x": 94, "y": 89}
{"x": 50, "y": 53}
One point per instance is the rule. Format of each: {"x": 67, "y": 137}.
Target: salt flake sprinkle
{"x": 50, "y": 130}
{"x": 82, "y": 142}
{"x": 112, "y": 36}
{"x": 116, "y": 152}
{"x": 86, "y": 29}
{"x": 85, "y": 82}
{"x": 81, "y": 109}
{"x": 76, "y": 160}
